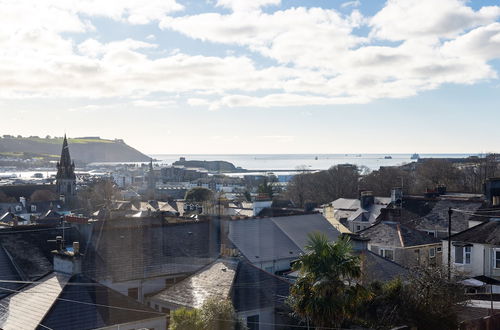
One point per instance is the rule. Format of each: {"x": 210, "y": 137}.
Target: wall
{"x": 481, "y": 260}
{"x": 276, "y": 265}
{"x": 159, "y": 323}
{"x": 412, "y": 256}
{"x": 266, "y": 317}
{"x": 145, "y": 287}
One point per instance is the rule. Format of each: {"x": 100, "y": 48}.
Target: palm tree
{"x": 325, "y": 292}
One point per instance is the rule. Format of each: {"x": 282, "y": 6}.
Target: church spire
{"x": 65, "y": 177}
{"x": 65, "y": 160}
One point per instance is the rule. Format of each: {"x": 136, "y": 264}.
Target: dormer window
{"x": 33, "y": 208}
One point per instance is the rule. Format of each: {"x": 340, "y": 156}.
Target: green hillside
{"x": 83, "y": 150}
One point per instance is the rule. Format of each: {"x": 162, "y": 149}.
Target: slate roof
{"x": 266, "y": 239}
{"x": 261, "y": 240}
{"x": 377, "y": 268}
{"x": 59, "y": 301}
{"x": 25, "y": 309}
{"x": 213, "y": 281}
{"x": 351, "y": 209}
{"x": 394, "y": 234}
{"x": 138, "y": 250}
{"x": 28, "y": 249}
{"x": 8, "y": 272}
{"x": 247, "y": 286}
{"x": 298, "y": 227}
{"x": 484, "y": 233}
{"x": 432, "y": 214}
{"x": 254, "y": 288}
{"x": 90, "y": 311}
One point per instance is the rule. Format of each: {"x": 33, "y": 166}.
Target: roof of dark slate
{"x": 29, "y": 250}
{"x": 26, "y": 308}
{"x": 484, "y": 233}
{"x": 264, "y": 239}
{"x": 90, "y": 310}
{"x": 213, "y": 281}
{"x": 254, "y": 288}
{"x": 298, "y": 228}
{"x": 8, "y": 272}
{"x": 378, "y": 268}
{"x": 432, "y": 214}
{"x": 261, "y": 240}
{"x": 137, "y": 250}
{"x": 393, "y": 234}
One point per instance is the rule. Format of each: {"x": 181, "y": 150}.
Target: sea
{"x": 286, "y": 164}
{"x": 292, "y": 162}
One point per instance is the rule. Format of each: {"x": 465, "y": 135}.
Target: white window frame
{"x": 465, "y": 253}
{"x": 496, "y": 259}
{"x": 432, "y": 252}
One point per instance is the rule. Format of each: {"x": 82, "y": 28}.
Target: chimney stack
{"x": 68, "y": 262}
{"x": 367, "y": 199}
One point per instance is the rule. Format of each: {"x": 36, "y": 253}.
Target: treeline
{"x": 347, "y": 181}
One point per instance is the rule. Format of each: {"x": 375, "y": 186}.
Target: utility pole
{"x": 450, "y": 212}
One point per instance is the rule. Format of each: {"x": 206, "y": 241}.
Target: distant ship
{"x": 388, "y": 157}
{"x": 415, "y": 156}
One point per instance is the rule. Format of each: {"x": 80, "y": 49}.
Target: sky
{"x": 255, "y": 76}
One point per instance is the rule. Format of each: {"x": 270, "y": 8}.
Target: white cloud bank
{"x": 318, "y": 54}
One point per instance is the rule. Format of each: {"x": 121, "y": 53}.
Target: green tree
{"x": 186, "y": 319}
{"x": 43, "y": 195}
{"x": 215, "y": 314}
{"x": 97, "y": 194}
{"x": 219, "y": 314}
{"x": 199, "y": 194}
{"x": 427, "y": 292}
{"x": 266, "y": 186}
{"x": 325, "y": 292}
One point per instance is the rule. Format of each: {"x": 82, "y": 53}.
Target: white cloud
{"x": 319, "y": 38}
{"x": 316, "y": 56}
{"x": 404, "y": 19}
{"x": 482, "y": 43}
{"x": 355, "y": 3}
{"x": 153, "y": 103}
{"x": 246, "y": 5}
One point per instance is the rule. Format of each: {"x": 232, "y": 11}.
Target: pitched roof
{"x": 8, "y": 272}
{"x": 484, "y": 233}
{"x": 351, "y": 209}
{"x": 377, "y": 268}
{"x": 248, "y": 287}
{"x": 27, "y": 308}
{"x": 83, "y": 304}
{"x": 274, "y": 238}
{"x": 29, "y": 249}
{"x": 432, "y": 214}
{"x": 254, "y": 288}
{"x": 212, "y": 281}
{"x": 59, "y": 301}
{"x": 261, "y": 240}
{"x": 140, "y": 250}
{"x": 394, "y": 234}
{"x": 298, "y": 227}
